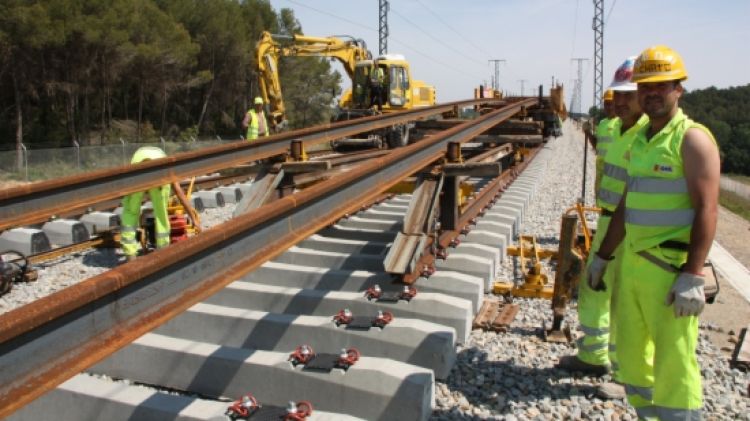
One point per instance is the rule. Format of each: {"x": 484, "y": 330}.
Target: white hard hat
{"x": 622, "y": 81}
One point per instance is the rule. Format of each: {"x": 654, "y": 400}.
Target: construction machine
{"x": 401, "y": 92}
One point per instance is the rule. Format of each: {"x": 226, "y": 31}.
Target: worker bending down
{"x": 131, "y": 209}
{"x": 666, "y": 221}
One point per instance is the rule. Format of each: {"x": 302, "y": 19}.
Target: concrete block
{"x": 499, "y": 217}
{"x": 436, "y": 308}
{"x": 319, "y": 242}
{"x": 416, "y": 342}
{"x": 389, "y": 215}
{"x": 469, "y": 264}
{"x": 64, "y": 232}
{"x": 211, "y": 198}
{"x": 197, "y": 203}
{"x": 24, "y": 240}
{"x": 245, "y": 188}
{"x": 497, "y": 228}
{"x": 453, "y": 284}
{"x": 349, "y": 233}
{"x": 96, "y": 222}
{"x": 373, "y": 388}
{"x": 359, "y": 222}
{"x": 334, "y": 260}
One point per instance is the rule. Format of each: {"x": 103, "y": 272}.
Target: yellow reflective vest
{"x": 254, "y": 126}
{"x": 657, "y": 204}
{"x": 615, "y": 169}
{"x": 605, "y": 133}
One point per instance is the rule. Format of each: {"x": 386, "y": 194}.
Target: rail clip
{"x": 345, "y": 317}
{"x": 377, "y": 294}
{"x": 248, "y": 408}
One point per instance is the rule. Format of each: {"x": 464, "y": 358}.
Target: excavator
{"x": 401, "y": 91}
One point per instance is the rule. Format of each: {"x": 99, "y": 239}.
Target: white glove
{"x": 687, "y": 295}
{"x": 595, "y": 273}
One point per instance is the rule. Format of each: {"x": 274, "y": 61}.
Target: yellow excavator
{"x": 401, "y": 91}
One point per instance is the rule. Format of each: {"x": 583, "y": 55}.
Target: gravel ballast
{"x": 512, "y": 376}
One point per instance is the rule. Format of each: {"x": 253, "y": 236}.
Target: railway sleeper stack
{"x": 240, "y": 340}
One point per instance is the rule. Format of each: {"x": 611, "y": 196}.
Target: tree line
{"x": 91, "y": 71}
{"x": 726, "y": 112}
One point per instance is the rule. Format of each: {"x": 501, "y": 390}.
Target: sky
{"x": 449, "y": 42}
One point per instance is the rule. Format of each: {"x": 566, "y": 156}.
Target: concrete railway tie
{"x": 240, "y": 339}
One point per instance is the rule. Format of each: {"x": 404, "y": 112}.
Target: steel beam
{"x": 34, "y": 203}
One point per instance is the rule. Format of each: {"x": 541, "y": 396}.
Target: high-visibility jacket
{"x": 378, "y": 76}
{"x": 657, "y": 204}
{"x": 257, "y": 124}
{"x": 615, "y": 169}
{"x": 605, "y": 133}
{"x": 131, "y": 208}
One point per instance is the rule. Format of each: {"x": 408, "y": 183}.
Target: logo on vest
{"x": 662, "y": 168}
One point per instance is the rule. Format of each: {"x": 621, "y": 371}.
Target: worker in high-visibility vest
{"x": 131, "y": 209}
{"x": 604, "y": 134}
{"x": 377, "y": 82}
{"x": 596, "y": 349}
{"x": 666, "y": 221}
{"x": 255, "y": 120}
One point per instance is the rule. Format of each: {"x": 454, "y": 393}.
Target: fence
{"x": 44, "y": 164}
{"x": 736, "y": 187}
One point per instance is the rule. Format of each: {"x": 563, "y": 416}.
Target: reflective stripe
{"x": 644, "y": 392}
{"x": 590, "y": 348}
{"x": 618, "y": 173}
{"x": 609, "y": 196}
{"x": 124, "y": 229}
{"x": 657, "y": 185}
{"x": 124, "y": 240}
{"x": 162, "y": 235}
{"x": 594, "y": 331}
{"x": 669, "y": 414}
{"x": 659, "y": 218}
{"x": 645, "y": 412}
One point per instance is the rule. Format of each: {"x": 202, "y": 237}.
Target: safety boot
{"x": 572, "y": 363}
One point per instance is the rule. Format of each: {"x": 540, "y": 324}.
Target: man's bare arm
{"x": 700, "y": 158}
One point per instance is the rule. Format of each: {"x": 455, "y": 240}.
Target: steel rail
{"x": 35, "y": 203}
{"x": 48, "y": 341}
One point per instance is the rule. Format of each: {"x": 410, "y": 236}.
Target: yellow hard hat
{"x": 609, "y": 95}
{"x": 258, "y": 101}
{"x": 659, "y": 64}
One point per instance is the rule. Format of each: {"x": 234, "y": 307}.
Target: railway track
{"x": 219, "y": 315}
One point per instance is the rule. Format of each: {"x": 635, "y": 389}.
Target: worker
{"x": 596, "y": 349}
{"x": 604, "y": 133}
{"x": 666, "y": 221}
{"x": 377, "y": 80}
{"x": 131, "y": 209}
{"x": 255, "y": 120}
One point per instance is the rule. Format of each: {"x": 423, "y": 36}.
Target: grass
{"x": 735, "y": 203}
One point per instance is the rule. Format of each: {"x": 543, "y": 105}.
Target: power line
{"x": 447, "y": 25}
{"x": 440, "y": 41}
{"x": 461, "y": 71}
{"x": 610, "y": 12}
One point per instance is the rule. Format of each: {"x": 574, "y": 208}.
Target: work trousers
{"x": 655, "y": 349}
{"x": 594, "y": 308}
{"x": 131, "y": 215}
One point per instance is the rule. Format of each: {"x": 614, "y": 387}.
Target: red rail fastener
{"x": 455, "y": 242}
{"x": 427, "y": 271}
{"x": 298, "y": 411}
{"x": 348, "y": 357}
{"x": 442, "y": 254}
{"x": 302, "y": 355}
{"x": 374, "y": 292}
{"x": 243, "y": 407}
{"x": 343, "y": 317}
{"x": 383, "y": 318}
{"x": 410, "y": 292}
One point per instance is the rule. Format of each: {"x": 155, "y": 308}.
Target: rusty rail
{"x": 46, "y": 342}
{"x": 34, "y": 203}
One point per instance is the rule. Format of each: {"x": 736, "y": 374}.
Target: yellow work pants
{"x": 131, "y": 215}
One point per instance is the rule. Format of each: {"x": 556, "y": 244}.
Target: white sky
{"x": 537, "y": 38}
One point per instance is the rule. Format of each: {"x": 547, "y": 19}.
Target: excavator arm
{"x": 270, "y": 48}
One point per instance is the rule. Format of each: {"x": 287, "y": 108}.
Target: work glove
{"x": 687, "y": 295}
{"x": 595, "y": 273}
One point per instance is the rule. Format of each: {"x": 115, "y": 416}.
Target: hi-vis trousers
{"x": 655, "y": 349}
